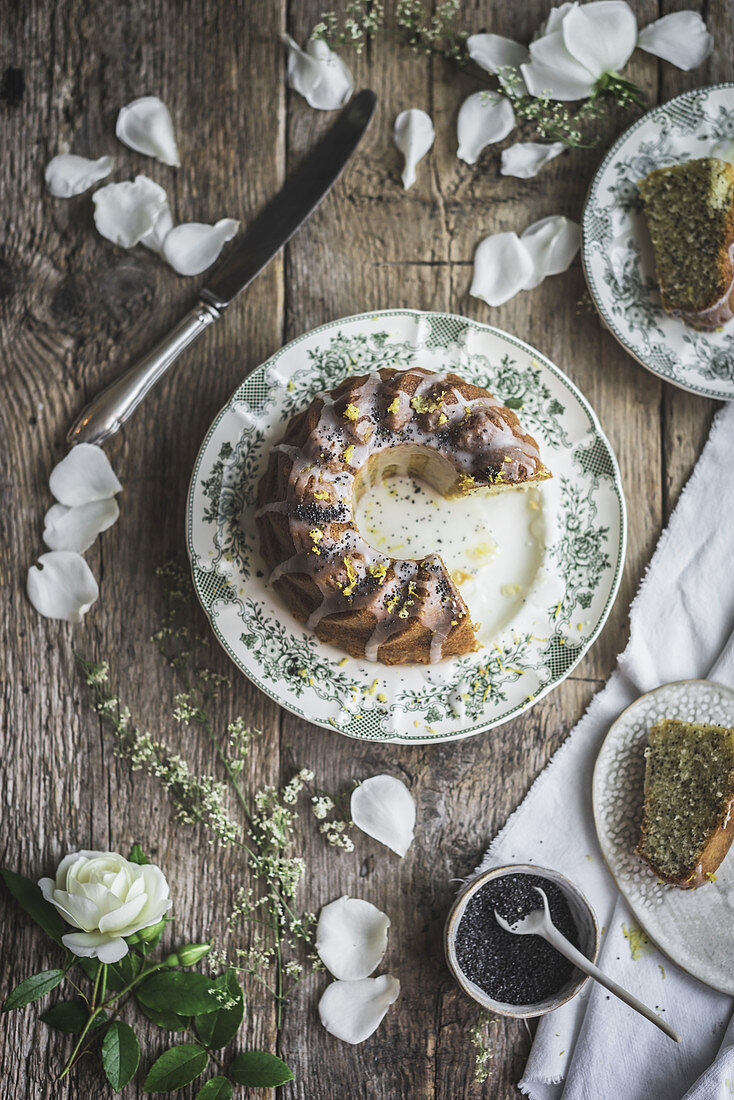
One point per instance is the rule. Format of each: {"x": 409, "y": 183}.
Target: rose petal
{"x": 524, "y": 159}
{"x": 724, "y": 150}
{"x": 63, "y": 588}
{"x": 492, "y": 52}
{"x": 552, "y": 243}
{"x": 68, "y": 175}
{"x": 193, "y": 247}
{"x": 601, "y": 35}
{"x": 162, "y": 226}
{"x": 351, "y": 938}
{"x": 484, "y": 118}
{"x": 384, "y": 808}
{"x": 77, "y": 528}
{"x": 554, "y": 20}
{"x": 84, "y": 475}
{"x": 680, "y": 38}
{"x": 413, "y": 135}
{"x": 145, "y": 125}
{"x": 553, "y": 71}
{"x": 353, "y": 1010}
{"x": 108, "y": 949}
{"x": 125, "y": 212}
{"x": 502, "y": 267}
{"x": 318, "y": 74}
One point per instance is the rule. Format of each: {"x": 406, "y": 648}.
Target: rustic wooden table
{"x": 74, "y": 311}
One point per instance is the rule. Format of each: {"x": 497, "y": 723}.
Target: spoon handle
{"x": 554, "y": 937}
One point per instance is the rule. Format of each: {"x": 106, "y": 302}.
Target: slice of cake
{"x": 687, "y": 823}
{"x": 690, "y": 215}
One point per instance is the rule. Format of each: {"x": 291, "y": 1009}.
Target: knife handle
{"x": 109, "y": 410}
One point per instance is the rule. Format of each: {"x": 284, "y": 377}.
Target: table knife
{"x": 251, "y": 252}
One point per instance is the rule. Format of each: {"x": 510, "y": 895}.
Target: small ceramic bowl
{"x": 584, "y": 918}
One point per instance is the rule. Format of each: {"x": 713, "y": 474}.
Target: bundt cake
{"x": 687, "y": 825}
{"x": 690, "y": 213}
{"x": 438, "y": 427}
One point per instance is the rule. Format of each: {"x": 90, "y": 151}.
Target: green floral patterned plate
{"x": 584, "y": 543}
{"x": 617, "y": 252}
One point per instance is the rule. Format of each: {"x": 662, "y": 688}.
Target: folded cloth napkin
{"x": 681, "y": 625}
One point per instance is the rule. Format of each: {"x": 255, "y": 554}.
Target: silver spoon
{"x": 539, "y": 923}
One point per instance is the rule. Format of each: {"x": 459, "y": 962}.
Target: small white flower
{"x": 77, "y": 528}
{"x": 145, "y": 125}
{"x": 351, "y": 1011}
{"x": 492, "y": 53}
{"x": 107, "y": 898}
{"x": 84, "y": 475}
{"x": 484, "y": 118}
{"x": 524, "y": 159}
{"x": 68, "y": 175}
{"x": 351, "y": 937}
{"x": 125, "y": 212}
{"x": 552, "y": 243}
{"x": 61, "y": 586}
{"x": 414, "y": 136}
{"x": 193, "y": 247}
{"x": 318, "y": 74}
{"x": 680, "y": 38}
{"x": 384, "y": 808}
{"x": 502, "y": 267}
{"x": 580, "y": 45}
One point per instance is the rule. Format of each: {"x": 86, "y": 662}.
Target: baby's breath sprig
{"x": 481, "y": 1041}
{"x": 277, "y": 932}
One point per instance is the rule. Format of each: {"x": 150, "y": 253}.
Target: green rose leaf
{"x": 70, "y": 1016}
{"x": 176, "y": 1067}
{"x": 216, "y": 1088}
{"x": 259, "y": 1070}
{"x": 168, "y": 1020}
{"x": 38, "y": 985}
{"x": 126, "y": 969}
{"x": 147, "y": 938}
{"x": 120, "y": 1054}
{"x": 114, "y": 981}
{"x": 216, "y": 1029}
{"x": 137, "y": 855}
{"x": 189, "y": 992}
{"x": 30, "y": 898}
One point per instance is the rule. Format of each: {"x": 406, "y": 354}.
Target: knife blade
{"x": 252, "y": 251}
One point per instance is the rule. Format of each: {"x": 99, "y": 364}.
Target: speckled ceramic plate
{"x": 583, "y": 511}
{"x": 693, "y": 927}
{"x": 617, "y": 252}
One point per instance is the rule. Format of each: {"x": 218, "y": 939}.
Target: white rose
{"x": 108, "y": 898}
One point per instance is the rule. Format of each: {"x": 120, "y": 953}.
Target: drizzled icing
{"x": 431, "y": 424}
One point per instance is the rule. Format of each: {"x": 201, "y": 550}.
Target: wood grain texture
{"x": 74, "y": 310}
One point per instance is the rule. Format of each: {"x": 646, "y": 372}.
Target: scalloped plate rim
{"x": 522, "y": 707}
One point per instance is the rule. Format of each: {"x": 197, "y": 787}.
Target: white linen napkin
{"x": 681, "y": 624}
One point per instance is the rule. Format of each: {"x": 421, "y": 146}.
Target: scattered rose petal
{"x": 145, "y": 125}
{"x": 61, "y": 586}
{"x": 724, "y": 150}
{"x": 77, "y": 528}
{"x": 353, "y": 1010}
{"x": 125, "y": 212}
{"x": 492, "y": 52}
{"x": 193, "y": 247}
{"x": 351, "y": 938}
{"x": 581, "y": 43}
{"x": 502, "y": 267}
{"x": 383, "y": 807}
{"x": 484, "y": 118}
{"x": 524, "y": 159}
{"x": 554, "y": 20}
{"x": 318, "y": 74}
{"x": 552, "y": 243}
{"x": 162, "y": 226}
{"x": 680, "y": 38}
{"x": 84, "y": 475}
{"x": 68, "y": 175}
{"x": 413, "y": 136}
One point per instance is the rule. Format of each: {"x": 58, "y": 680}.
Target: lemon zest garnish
{"x": 465, "y": 480}
{"x": 351, "y": 412}
{"x": 381, "y": 697}
{"x": 378, "y": 570}
{"x": 316, "y": 535}
{"x": 343, "y": 662}
{"x": 349, "y": 451}
{"x": 352, "y": 575}
{"x": 321, "y": 494}
{"x": 443, "y": 418}
{"x": 394, "y": 405}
